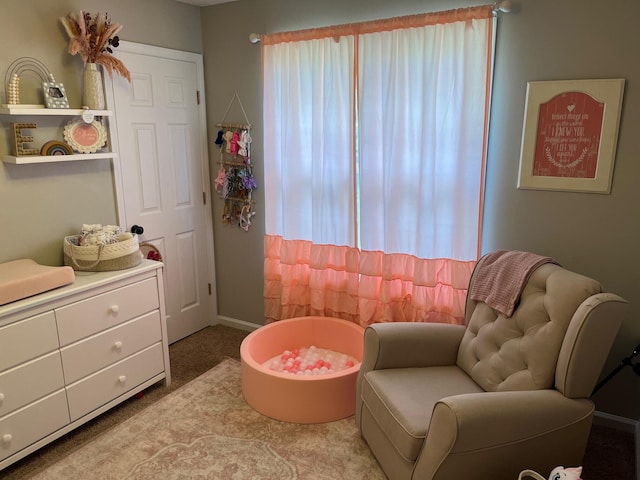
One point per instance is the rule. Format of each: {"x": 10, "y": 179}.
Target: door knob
{"x": 137, "y": 229}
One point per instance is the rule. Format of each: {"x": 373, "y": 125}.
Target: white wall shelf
{"x": 60, "y": 112}
{"x": 24, "y": 160}
{"x": 39, "y": 111}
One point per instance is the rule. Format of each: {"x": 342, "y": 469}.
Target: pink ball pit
{"x": 297, "y": 398}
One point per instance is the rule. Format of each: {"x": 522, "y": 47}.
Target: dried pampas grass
{"x": 93, "y": 37}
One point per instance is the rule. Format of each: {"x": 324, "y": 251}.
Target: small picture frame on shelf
{"x": 55, "y": 96}
{"x": 85, "y": 137}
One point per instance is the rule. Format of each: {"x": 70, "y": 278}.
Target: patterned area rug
{"x": 206, "y": 430}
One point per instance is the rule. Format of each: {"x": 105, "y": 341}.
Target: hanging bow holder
{"x": 235, "y": 182}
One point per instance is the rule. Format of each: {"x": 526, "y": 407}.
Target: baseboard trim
{"x": 615, "y": 421}
{"x": 235, "y": 323}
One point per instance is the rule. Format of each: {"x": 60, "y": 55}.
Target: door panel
{"x": 147, "y": 164}
{"x": 162, "y": 158}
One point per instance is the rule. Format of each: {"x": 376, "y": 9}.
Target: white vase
{"x": 93, "y": 88}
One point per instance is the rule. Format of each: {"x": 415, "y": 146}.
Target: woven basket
{"x": 101, "y": 258}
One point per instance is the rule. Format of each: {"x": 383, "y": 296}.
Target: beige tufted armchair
{"x": 496, "y": 396}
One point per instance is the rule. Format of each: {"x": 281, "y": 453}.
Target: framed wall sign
{"x": 570, "y": 135}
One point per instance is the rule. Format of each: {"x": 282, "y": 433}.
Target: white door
{"x": 162, "y": 175}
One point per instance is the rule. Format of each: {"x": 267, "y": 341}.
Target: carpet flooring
{"x": 610, "y": 453}
{"x": 206, "y": 430}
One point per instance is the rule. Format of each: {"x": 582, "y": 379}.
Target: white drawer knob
{"x": 114, "y": 309}
{"x": 122, "y": 378}
{"x": 7, "y": 437}
{"x": 118, "y": 345}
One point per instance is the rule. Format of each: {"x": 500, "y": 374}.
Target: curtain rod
{"x": 503, "y": 6}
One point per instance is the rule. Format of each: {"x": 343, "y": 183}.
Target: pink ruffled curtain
{"x": 404, "y": 288}
{"x": 302, "y": 278}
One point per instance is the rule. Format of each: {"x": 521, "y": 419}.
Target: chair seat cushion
{"x": 402, "y": 400}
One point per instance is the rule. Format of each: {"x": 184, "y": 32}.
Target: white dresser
{"x": 70, "y": 354}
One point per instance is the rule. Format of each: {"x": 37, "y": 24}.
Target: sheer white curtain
{"x": 308, "y": 118}
{"x": 422, "y": 96}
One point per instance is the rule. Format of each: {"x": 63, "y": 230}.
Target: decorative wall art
{"x": 20, "y": 139}
{"x": 55, "y": 147}
{"x": 570, "y": 135}
{"x": 85, "y": 137}
{"x": 235, "y": 181}
{"x": 30, "y": 65}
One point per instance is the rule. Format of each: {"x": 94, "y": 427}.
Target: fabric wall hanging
{"x": 235, "y": 181}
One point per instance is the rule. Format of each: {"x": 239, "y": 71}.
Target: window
{"x": 375, "y": 141}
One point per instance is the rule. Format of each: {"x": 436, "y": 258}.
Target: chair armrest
{"x": 406, "y": 344}
{"x": 587, "y": 343}
{"x": 409, "y": 344}
{"x": 478, "y": 422}
{"x": 511, "y": 416}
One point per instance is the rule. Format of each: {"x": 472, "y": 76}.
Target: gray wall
{"x": 40, "y": 204}
{"x": 594, "y": 234}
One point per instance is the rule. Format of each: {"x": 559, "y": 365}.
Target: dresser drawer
{"x": 87, "y": 317}
{"x": 103, "y": 386}
{"x": 27, "y": 339}
{"x": 96, "y": 352}
{"x": 28, "y": 425}
{"x": 30, "y": 381}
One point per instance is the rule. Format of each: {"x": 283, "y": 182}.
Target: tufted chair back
{"x": 522, "y": 352}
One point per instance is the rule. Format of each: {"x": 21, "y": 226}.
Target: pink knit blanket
{"x": 501, "y": 277}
